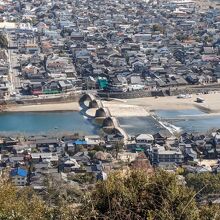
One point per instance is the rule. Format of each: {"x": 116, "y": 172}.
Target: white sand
{"x": 118, "y": 109}
{"x": 210, "y": 105}
{"x": 72, "y": 106}
{"x": 133, "y": 107}
{"x": 143, "y": 106}
{"x": 125, "y": 110}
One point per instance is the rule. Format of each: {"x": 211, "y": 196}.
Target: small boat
{"x": 200, "y": 100}
{"x": 181, "y": 96}
{"x": 184, "y": 96}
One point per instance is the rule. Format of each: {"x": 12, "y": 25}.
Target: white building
{"x": 144, "y": 139}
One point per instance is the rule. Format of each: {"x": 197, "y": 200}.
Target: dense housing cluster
{"x": 58, "y": 47}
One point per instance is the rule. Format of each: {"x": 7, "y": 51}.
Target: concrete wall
{"x": 131, "y": 94}
{"x": 164, "y": 92}
{"x": 32, "y": 101}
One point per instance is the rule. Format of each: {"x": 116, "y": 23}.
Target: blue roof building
{"x": 18, "y": 172}
{"x": 19, "y": 176}
{"x": 80, "y": 142}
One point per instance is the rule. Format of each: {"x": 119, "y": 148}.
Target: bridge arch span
{"x": 95, "y": 103}
{"x": 110, "y": 122}
{"x": 102, "y": 113}
{"x": 87, "y": 96}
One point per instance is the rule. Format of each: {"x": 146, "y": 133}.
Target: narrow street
{"x": 13, "y": 71}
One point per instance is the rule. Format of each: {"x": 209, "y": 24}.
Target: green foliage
{"x": 118, "y": 147}
{"x": 3, "y": 41}
{"x": 157, "y": 27}
{"x": 60, "y": 199}
{"x": 91, "y": 154}
{"x": 210, "y": 212}
{"x": 99, "y": 148}
{"x": 136, "y": 195}
{"x": 208, "y": 39}
{"x": 80, "y": 148}
{"x": 21, "y": 204}
{"x": 33, "y": 21}
{"x": 83, "y": 178}
{"x": 124, "y": 195}
{"x": 204, "y": 183}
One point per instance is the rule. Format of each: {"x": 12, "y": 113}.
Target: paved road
{"x": 13, "y": 71}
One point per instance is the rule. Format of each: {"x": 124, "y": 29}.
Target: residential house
{"x": 19, "y": 176}
{"x": 162, "y": 155}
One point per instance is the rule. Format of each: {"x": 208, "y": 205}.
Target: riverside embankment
{"x": 133, "y": 115}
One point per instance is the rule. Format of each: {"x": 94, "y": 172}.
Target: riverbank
{"x": 135, "y": 115}
{"x": 67, "y": 106}
{"x": 132, "y": 107}
{"x": 211, "y": 104}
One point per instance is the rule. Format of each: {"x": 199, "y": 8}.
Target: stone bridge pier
{"x": 102, "y": 115}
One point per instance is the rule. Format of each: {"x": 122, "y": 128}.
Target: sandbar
{"x": 71, "y": 106}
{"x": 210, "y": 105}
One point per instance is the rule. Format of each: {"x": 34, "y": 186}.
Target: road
{"x": 15, "y": 83}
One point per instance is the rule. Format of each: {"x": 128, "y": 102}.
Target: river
{"x": 70, "y": 121}
{"x": 45, "y": 122}
{"x": 191, "y": 120}
{"x": 174, "y": 121}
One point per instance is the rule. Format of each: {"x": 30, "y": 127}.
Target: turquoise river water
{"x": 41, "y": 122}
{"x": 46, "y": 122}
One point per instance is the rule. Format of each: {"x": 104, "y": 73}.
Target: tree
{"x": 19, "y": 204}
{"x": 83, "y": 178}
{"x": 25, "y": 204}
{"x": 157, "y": 27}
{"x": 60, "y": 198}
{"x": 210, "y": 212}
{"x": 3, "y": 41}
{"x": 91, "y": 154}
{"x": 118, "y": 146}
{"x": 128, "y": 196}
{"x": 136, "y": 195}
{"x": 204, "y": 183}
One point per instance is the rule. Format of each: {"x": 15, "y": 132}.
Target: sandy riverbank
{"x": 120, "y": 109}
{"x": 133, "y": 107}
{"x": 71, "y": 106}
{"x": 210, "y": 105}
{"x": 143, "y": 106}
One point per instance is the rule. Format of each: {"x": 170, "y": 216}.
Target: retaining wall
{"x": 32, "y": 101}
{"x": 163, "y": 92}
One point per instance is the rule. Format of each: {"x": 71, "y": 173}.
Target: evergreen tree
{"x": 3, "y": 41}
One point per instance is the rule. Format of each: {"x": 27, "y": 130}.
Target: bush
{"x": 204, "y": 183}
{"x": 136, "y": 195}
